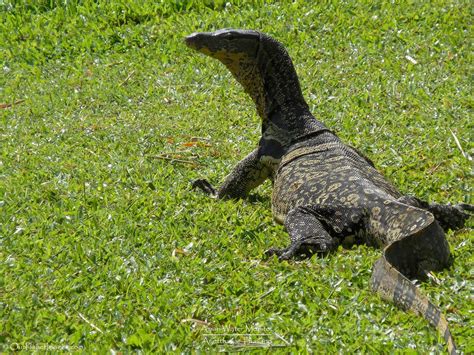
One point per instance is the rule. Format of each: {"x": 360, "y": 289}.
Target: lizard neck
{"x": 280, "y": 86}
{"x": 267, "y": 74}
{"x": 285, "y": 128}
{"x": 289, "y": 124}
{"x": 270, "y": 78}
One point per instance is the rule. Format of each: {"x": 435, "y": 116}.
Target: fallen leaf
{"x": 179, "y": 251}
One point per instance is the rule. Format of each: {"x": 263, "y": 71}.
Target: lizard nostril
{"x": 191, "y": 39}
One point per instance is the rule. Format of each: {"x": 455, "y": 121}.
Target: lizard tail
{"x": 395, "y": 287}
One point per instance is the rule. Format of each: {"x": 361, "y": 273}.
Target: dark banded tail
{"x": 392, "y": 286}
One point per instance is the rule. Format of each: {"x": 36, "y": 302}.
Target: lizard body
{"x": 323, "y": 189}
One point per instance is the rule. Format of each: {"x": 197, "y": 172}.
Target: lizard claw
{"x": 465, "y": 207}
{"x": 303, "y": 249}
{"x": 282, "y": 254}
{"x": 288, "y": 253}
{"x": 272, "y": 251}
{"x": 204, "y": 186}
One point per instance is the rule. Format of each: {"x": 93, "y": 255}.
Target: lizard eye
{"x": 226, "y": 35}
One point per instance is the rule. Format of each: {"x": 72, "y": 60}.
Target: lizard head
{"x": 258, "y": 62}
{"x": 227, "y": 45}
{"x": 238, "y": 51}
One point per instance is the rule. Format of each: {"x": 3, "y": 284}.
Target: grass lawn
{"x": 105, "y": 118}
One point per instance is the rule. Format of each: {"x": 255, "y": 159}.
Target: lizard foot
{"x": 452, "y": 216}
{"x": 304, "y": 249}
{"x": 204, "y": 186}
{"x": 273, "y": 251}
{"x": 283, "y": 254}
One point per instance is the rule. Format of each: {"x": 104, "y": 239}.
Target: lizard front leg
{"x": 247, "y": 174}
{"x": 308, "y": 236}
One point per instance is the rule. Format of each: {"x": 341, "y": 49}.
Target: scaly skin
{"x": 324, "y": 190}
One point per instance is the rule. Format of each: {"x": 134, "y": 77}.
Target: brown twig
{"x": 11, "y": 104}
{"x": 127, "y": 78}
{"x": 165, "y": 157}
{"x": 113, "y": 64}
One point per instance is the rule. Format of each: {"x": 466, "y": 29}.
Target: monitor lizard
{"x": 325, "y": 190}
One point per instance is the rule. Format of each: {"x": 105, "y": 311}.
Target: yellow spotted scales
{"x": 325, "y": 191}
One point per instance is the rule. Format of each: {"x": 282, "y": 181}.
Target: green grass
{"x": 104, "y": 245}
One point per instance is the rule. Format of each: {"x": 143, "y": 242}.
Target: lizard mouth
{"x": 192, "y": 40}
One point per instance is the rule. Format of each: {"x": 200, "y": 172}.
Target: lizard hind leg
{"x": 308, "y": 236}
{"x": 451, "y": 216}
{"x": 416, "y": 254}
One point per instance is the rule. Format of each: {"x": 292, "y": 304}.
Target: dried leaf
{"x": 179, "y": 251}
